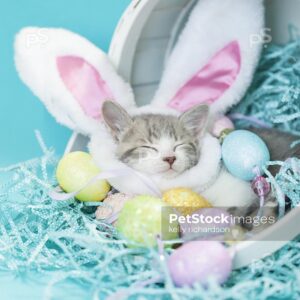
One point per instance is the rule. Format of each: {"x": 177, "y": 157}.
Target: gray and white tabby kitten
{"x": 170, "y": 145}
{"x": 154, "y": 143}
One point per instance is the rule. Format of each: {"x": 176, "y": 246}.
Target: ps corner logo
{"x": 38, "y": 37}
{"x": 263, "y": 37}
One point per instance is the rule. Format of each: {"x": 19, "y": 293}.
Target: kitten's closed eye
{"x": 139, "y": 153}
{"x": 149, "y": 147}
{"x": 177, "y": 146}
{"x": 188, "y": 146}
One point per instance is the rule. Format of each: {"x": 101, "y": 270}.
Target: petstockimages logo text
{"x": 212, "y": 223}
{"x": 201, "y": 219}
{"x": 221, "y": 219}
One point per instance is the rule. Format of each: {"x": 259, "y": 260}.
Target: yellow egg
{"x": 185, "y": 200}
{"x": 75, "y": 170}
{"x": 143, "y": 218}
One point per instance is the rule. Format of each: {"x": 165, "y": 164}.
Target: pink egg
{"x": 220, "y": 124}
{"x": 198, "y": 261}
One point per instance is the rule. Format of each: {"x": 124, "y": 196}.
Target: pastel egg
{"x": 143, "y": 218}
{"x": 242, "y": 152}
{"x": 75, "y": 170}
{"x": 185, "y": 200}
{"x": 222, "y": 123}
{"x": 198, "y": 261}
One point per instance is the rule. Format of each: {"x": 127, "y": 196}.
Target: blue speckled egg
{"x": 242, "y": 151}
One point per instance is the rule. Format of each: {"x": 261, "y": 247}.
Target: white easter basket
{"x": 143, "y": 39}
{"x": 140, "y": 25}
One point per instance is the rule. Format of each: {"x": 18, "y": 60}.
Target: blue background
{"x": 20, "y": 111}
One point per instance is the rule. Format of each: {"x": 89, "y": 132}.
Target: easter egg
{"x": 198, "y": 261}
{"x": 112, "y": 205}
{"x": 185, "y": 200}
{"x": 206, "y": 223}
{"x": 222, "y": 123}
{"x": 75, "y": 170}
{"x": 242, "y": 151}
{"x": 143, "y": 218}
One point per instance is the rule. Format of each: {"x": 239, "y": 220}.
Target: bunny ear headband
{"x": 212, "y": 62}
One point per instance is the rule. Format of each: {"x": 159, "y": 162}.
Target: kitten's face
{"x": 157, "y": 144}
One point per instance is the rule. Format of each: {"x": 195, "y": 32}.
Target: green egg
{"x": 75, "y": 170}
{"x": 143, "y": 218}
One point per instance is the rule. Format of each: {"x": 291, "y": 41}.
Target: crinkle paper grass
{"x": 63, "y": 241}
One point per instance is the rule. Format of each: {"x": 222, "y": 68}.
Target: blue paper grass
{"x": 63, "y": 240}
{"x": 274, "y": 95}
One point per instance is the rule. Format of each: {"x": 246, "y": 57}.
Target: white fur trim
{"x": 102, "y": 148}
{"x": 226, "y": 191}
{"x": 36, "y": 50}
{"x": 212, "y": 25}
{"x": 230, "y": 191}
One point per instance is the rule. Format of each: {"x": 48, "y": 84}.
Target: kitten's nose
{"x": 170, "y": 159}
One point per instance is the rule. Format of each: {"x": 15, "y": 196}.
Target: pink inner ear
{"x": 85, "y": 84}
{"x": 210, "y": 83}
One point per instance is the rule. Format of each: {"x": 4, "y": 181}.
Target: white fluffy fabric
{"x": 102, "y": 148}
{"x": 36, "y": 64}
{"x": 230, "y": 191}
{"x": 217, "y": 185}
{"x": 211, "y": 26}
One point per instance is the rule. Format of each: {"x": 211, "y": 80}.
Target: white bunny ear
{"x": 215, "y": 56}
{"x": 70, "y": 75}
